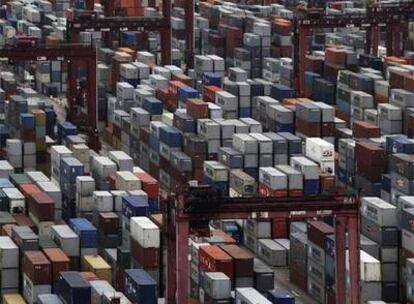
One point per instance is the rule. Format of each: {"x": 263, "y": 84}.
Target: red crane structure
{"x": 391, "y": 16}
{"x": 75, "y": 56}
{"x": 198, "y": 205}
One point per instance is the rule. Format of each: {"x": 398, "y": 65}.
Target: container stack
{"x": 70, "y": 168}
{"x": 15, "y": 153}
{"x": 87, "y": 234}
{"x": 28, "y": 136}
{"x": 85, "y": 187}
{"x": 298, "y": 266}
{"x": 145, "y": 246}
{"x": 69, "y": 243}
{"x": 379, "y": 223}
{"x": 9, "y": 266}
{"x": 41, "y": 211}
{"x": 37, "y": 275}
{"x": 316, "y": 262}
{"x": 102, "y": 168}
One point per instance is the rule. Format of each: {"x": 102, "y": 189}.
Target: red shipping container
{"x": 369, "y": 154}
{"x": 242, "y": 260}
{"x": 108, "y": 222}
{"x": 328, "y": 129}
{"x": 328, "y": 184}
{"x": 26, "y": 189}
{"x": 213, "y": 259}
{"x": 37, "y": 267}
{"x": 146, "y": 257}
{"x": 226, "y": 239}
{"x": 186, "y": 80}
{"x": 317, "y": 232}
{"x": 335, "y": 56}
{"x": 280, "y": 228}
{"x": 149, "y": 184}
{"x": 60, "y": 261}
{"x": 209, "y": 93}
{"x": 396, "y": 79}
{"x": 41, "y": 206}
{"x": 197, "y": 108}
{"x": 365, "y": 129}
{"x": 23, "y": 220}
{"x": 409, "y": 83}
{"x": 264, "y": 190}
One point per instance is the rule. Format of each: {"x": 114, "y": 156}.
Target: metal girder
{"x": 46, "y": 53}
{"x": 116, "y": 23}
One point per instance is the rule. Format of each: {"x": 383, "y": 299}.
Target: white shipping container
{"x": 14, "y": 146}
{"x": 370, "y": 267}
{"x": 103, "y": 201}
{"x": 123, "y": 161}
{"x": 66, "y": 238}
{"x": 145, "y": 232}
{"x": 319, "y": 150}
{"x": 217, "y": 285}
{"x": 98, "y": 287}
{"x": 9, "y": 253}
{"x": 85, "y": 185}
{"x": 16, "y": 199}
{"x": 103, "y": 166}
{"x": 117, "y": 195}
{"x": 245, "y": 143}
{"x": 249, "y": 295}
{"x": 216, "y": 171}
{"x": 273, "y": 178}
{"x": 127, "y": 181}
{"x": 5, "y": 169}
{"x": 379, "y": 211}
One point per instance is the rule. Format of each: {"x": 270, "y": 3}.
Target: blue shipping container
{"x": 171, "y": 136}
{"x": 211, "y": 79}
{"x": 27, "y": 121}
{"x": 85, "y": 230}
{"x": 185, "y": 93}
{"x": 153, "y": 105}
{"x": 280, "y": 296}
{"x": 72, "y": 288}
{"x": 66, "y": 128}
{"x": 70, "y": 168}
{"x": 140, "y": 287}
{"x": 311, "y": 186}
{"x": 134, "y": 205}
{"x": 279, "y": 92}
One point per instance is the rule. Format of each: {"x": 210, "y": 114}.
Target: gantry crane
{"x": 82, "y": 95}
{"x": 392, "y": 16}
{"x": 162, "y": 25}
{"x": 196, "y": 206}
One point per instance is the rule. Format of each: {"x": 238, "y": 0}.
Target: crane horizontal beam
{"x": 48, "y": 53}
{"x": 116, "y": 23}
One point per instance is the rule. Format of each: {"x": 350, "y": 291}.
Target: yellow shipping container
{"x": 98, "y": 266}
{"x": 40, "y": 117}
{"x": 13, "y": 298}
